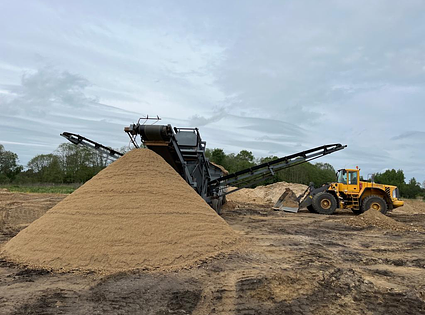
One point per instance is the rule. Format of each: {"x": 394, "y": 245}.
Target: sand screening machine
{"x": 184, "y": 150}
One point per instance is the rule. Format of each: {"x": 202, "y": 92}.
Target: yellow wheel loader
{"x": 348, "y": 192}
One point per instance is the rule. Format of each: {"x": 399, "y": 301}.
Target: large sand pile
{"x": 268, "y": 194}
{"x": 379, "y": 220}
{"x": 138, "y": 213}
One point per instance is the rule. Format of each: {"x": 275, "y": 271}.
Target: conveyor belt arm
{"x": 266, "y": 170}
{"x": 106, "y": 151}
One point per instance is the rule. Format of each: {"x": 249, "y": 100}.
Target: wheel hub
{"x": 325, "y": 204}
{"x": 376, "y": 206}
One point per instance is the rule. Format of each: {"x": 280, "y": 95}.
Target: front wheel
{"x": 324, "y": 203}
{"x": 375, "y": 203}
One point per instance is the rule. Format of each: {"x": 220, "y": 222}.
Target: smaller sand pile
{"x": 379, "y": 220}
{"x": 412, "y": 206}
{"x": 265, "y": 195}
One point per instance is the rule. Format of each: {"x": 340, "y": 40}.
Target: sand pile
{"x": 379, "y": 220}
{"x": 411, "y": 206}
{"x": 268, "y": 194}
{"x": 138, "y": 213}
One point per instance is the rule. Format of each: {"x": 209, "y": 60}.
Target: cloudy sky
{"x": 273, "y": 77}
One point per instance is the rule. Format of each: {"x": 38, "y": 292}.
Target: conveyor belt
{"x": 77, "y": 139}
{"x": 268, "y": 169}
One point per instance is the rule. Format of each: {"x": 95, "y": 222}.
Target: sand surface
{"x": 18, "y": 210}
{"x": 138, "y": 213}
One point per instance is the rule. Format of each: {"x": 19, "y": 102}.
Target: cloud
{"x": 198, "y": 120}
{"x": 416, "y": 135}
{"x": 21, "y": 143}
{"x": 46, "y": 87}
{"x": 50, "y": 101}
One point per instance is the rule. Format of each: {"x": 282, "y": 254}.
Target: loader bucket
{"x": 287, "y": 202}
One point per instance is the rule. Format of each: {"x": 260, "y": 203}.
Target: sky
{"x": 271, "y": 77}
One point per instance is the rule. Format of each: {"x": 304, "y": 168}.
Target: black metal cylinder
{"x": 155, "y": 132}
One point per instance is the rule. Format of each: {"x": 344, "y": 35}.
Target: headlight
{"x": 395, "y": 193}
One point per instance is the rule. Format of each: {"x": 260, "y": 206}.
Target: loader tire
{"x": 311, "y": 209}
{"x": 216, "y": 205}
{"x": 324, "y": 203}
{"x": 376, "y": 203}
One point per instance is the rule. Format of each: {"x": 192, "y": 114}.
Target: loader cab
{"x": 348, "y": 181}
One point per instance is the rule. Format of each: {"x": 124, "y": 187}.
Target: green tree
{"x": 390, "y": 177}
{"x": 9, "y": 167}
{"x": 79, "y": 163}
{"x": 68, "y": 164}
{"x": 244, "y": 159}
{"x": 412, "y": 189}
{"x": 218, "y": 156}
{"x": 325, "y": 174}
{"x": 46, "y": 168}
{"x": 268, "y": 159}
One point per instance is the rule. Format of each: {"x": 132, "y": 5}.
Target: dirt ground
{"x": 291, "y": 264}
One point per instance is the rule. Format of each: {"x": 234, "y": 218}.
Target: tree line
{"x": 70, "y": 164}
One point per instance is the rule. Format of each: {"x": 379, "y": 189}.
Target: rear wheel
{"x": 324, "y": 203}
{"x": 376, "y": 203}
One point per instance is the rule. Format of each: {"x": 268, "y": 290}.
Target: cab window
{"x": 342, "y": 177}
{"x": 352, "y": 178}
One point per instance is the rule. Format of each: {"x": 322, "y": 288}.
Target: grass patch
{"x": 42, "y": 189}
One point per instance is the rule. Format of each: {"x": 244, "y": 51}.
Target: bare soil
{"x": 18, "y": 210}
{"x": 292, "y": 264}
